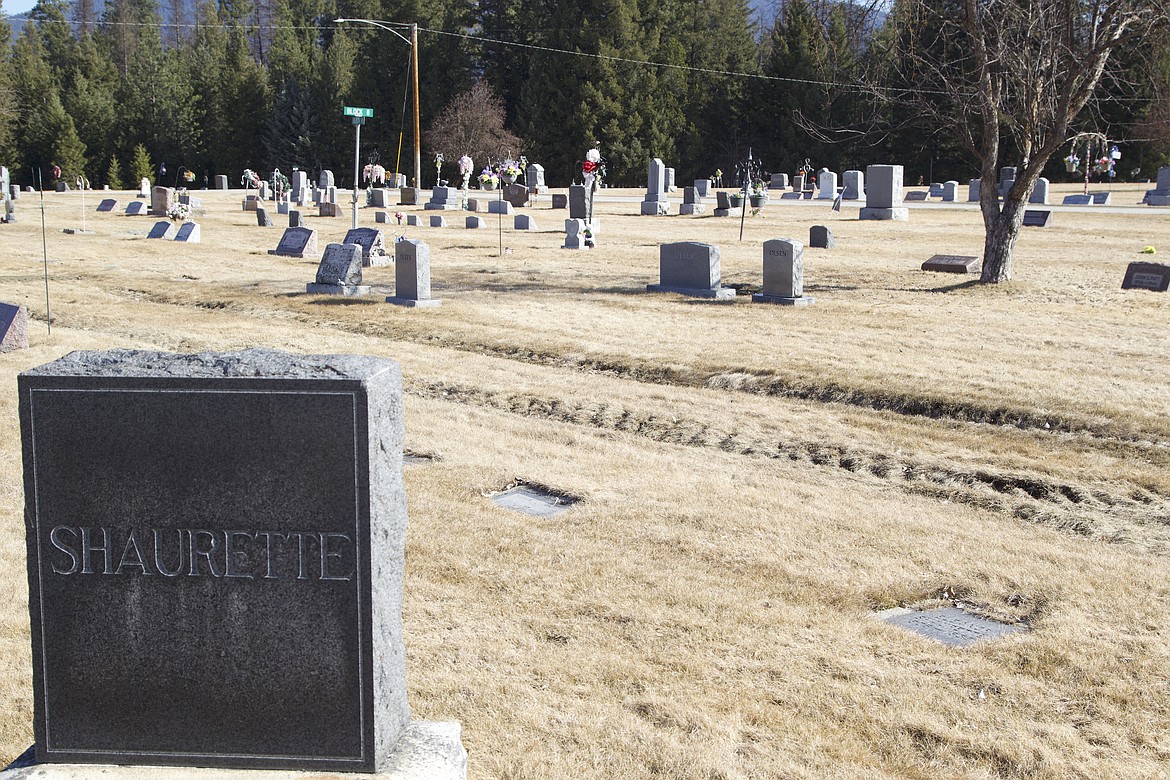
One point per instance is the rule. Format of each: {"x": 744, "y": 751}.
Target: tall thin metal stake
{"x": 45, "y": 250}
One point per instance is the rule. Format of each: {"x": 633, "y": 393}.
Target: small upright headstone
{"x": 722, "y": 203}
{"x": 107, "y": 204}
{"x": 251, "y": 202}
{"x": 325, "y": 180}
{"x": 559, "y": 201}
{"x": 13, "y": 327}
{"x": 523, "y": 222}
{"x": 161, "y": 200}
{"x": 853, "y": 187}
{"x": 220, "y": 182}
{"x": 443, "y": 199}
{"x": 783, "y": 274}
{"x": 188, "y": 233}
{"x": 1039, "y": 192}
{"x": 340, "y": 272}
{"x": 827, "y": 184}
{"x": 263, "y": 191}
{"x": 534, "y": 178}
{"x": 692, "y": 204}
{"x": 691, "y": 268}
{"x": 327, "y": 209}
{"x": 578, "y": 202}
{"x": 950, "y": 191}
{"x": 381, "y": 218}
{"x": 331, "y": 194}
{"x": 373, "y": 244}
{"x": 883, "y": 193}
{"x": 820, "y": 237}
{"x": 14, "y": 191}
{"x": 412, "y": 220}
{"x": 974, "y": 187}
{"x": 1007, "y": 177}
{"x": 408, "y": 196}
{"x": 516, "y": 194}
{"x": 669, "y": 187}
{"x": 62, "y": 187}
{"x": 297, "y": 242}
{"x": 798, "y": 182}
{"x": 575, "y": 234}
{"x": 412, "y": 275}
{"x": 262, "y": 218}
{"x": 778, "y": 181}
{"x": 474, "y": 223}
{"x": 703, "y": 187}
{"x": 295, "y": 219}
{"x": 654, "y": 203}
{"x": 438, "y": 221}
{"x": 380, "y": 198}
{"x": 1147, "y": 276}
{"x": 500, "y": 207}
{"x": 135, "y": 208}
{"x": 144, "y": 188}
{"x": 163, "y": 229}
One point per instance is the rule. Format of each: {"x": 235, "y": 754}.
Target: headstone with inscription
{"x": 189, "y": 233}
{"x": 853, "y": 185}
{"x": 412, "y": 275}
{"x": 578, "y": 202}
{"x": 534, "y": 178}
{"x": 135, "y": 208}
{"x": 783, "y": 274}
{"x": 1147, "y": 276}
{"x": 916, "y": 195}
{"x": 161, "y": 199}
{"x": 515, "y": 194}
{"x": 107, "y": 205}
{"x": 1037, "y": 218}
{"x": 297, "y": 242}
{"x": 13, "y": 327}
{"x": 883, "y": 194}
{"x": 559, "y": 201}
{"x": 220, "y": 182}
{"x": 443, "y": 199}
{"x": 691, "y": 268}
{"x": 339, "y": 272}
{"x": 215, "y": 554}
{"x": 163, "y": 229}
{"x": 827, "y": 185}
{"x": 654, "y": 204}
{"x": 952, "y": 264}
{"x": 373, "y": 244}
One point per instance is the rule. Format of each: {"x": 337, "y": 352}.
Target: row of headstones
{"x": 187, "y": 232}
{"x": 692, "y": 268}
{"x": 340, "y": 273}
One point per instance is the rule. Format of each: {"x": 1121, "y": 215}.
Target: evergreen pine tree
{"x": 141, "y": 166}
{"x": 114, "y": 175}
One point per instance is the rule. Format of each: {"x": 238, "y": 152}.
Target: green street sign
{"x": 365, "y": 113}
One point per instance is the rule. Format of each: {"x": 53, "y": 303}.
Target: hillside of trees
{"x": 261, "y": 84}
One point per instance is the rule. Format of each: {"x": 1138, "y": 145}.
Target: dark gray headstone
{"x": 953, "y": 626}
{"x": 1037, "y": 218}
{"x": 1077, "y": 200}
{"x": 163, "y": 229}
{"x": 722, "y": 200}
{"x": 220, "y": 182}
{"x": 215, "y": 547}
{"x": 13, "y": 327}
{"x": 380, "y": 198}
{"x": 690, "y": 268}
{"x": 412, "y": 274}
{"x": 1147, "y": 276}
{"x": 952, "y": 264}
{"x": 820, "y": 237}
{"x": 578, "y": 202}
{"x": 500, "y": 207}
{"x": 373, "y": 244}
{"x": 189, "y": 233}
{"x": 107, "y": 204}
{"x": 559, "y": 201}
{"x": 438, "y": 221}
{"x": 295, "y": 219}
{"x": 297, "y": 242}
{"x": 61, "y": 187}
{"x": 516, "y": 194}
{"x": 474, "y": 223}
{"x": 135, "y": 208}
{"x": 915, "y": 195}
{"x": 340, "y": 265}
{"x": 262, "y": 218}
{"x": 326, "y": 209}
{"x": 523, "y": 222}
{"x": 1100, "y": 198}
{"x": 408, "y": 196}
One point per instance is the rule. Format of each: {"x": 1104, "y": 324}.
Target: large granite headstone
{"x": 443, "y": 199}
{"x": 883, "y": 194}
{"x": 163, "y": 229}
{"x": 297, "y": 242}
{"x": 373, "y": 244}
{"x": 13, "y": 327}
{"x": 1147, "y": 276}
{"x": 1160, "y": 196}
{"x": 516, "y": 194}
{"x": 654, "y": 203}
{"x": 215, "y": 547}
{"x": 339, "y": 272}
{"x": 412, "y": 275}
{"x": 690, "y": 268}
{"x": 161, "y": 199}
{"x": 299, "y": 186}
{"x": 578, "y": 202}
{"x": 783, "y": 274}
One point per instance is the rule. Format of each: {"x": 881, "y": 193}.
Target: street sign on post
{"x": 364, "y": 113}
{"x": 360, "y": 115}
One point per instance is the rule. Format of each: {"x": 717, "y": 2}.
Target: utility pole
{"x": 414, "y": 74}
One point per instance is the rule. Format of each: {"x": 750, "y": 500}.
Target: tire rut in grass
{"x": 1115, "y": 513}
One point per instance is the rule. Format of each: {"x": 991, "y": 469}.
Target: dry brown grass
{"x": 755, "y": 479}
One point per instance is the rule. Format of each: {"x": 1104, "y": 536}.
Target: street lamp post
{"x": 412, "y": 41}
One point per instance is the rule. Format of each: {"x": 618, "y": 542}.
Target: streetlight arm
{"x": 376, "y": 24}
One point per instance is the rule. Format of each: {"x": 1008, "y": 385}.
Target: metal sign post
{"x": 360, "y": 115}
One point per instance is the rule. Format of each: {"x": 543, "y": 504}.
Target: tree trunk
{"x": 1002, "y": 230}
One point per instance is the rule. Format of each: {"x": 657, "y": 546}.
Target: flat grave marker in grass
{"x": 952, "y": 264}
{"x": 532, "y": 500}
{"x": 1037, "y": 218}
{"x": 952, "y": 626}
{"x": 1147, "y": 276}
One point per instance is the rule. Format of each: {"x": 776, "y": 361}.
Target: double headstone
{"x": 691, "y": 268}
{"x": 883, "y": 193}
{"x": 340, "y": 272}
{"x": 853, "y": 185}
{"x": 827, "y": 184}
{"x": 783, "y": 274}
{"x": 373, "y": 244}
{"x": 297, "y": 242}
{"x": 654, "y": 203}
{"x": 215, "y": 559}
{"x": 692, "y": 204}
{"x": 13, "y": 327}
{"x": 779, "y": 181}
{"x": 412, "y": 275}
{"x": 443, "y": 199}
{"x": 161, "y": 200}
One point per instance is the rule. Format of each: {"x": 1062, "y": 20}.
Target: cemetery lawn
{"x": 755, "y": 481}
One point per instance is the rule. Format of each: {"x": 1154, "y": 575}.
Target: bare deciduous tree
{"x": 473, "y": 124}
{"x": 1014, "y": 71}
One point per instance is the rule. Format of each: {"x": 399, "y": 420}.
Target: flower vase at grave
{"x": 735, "y": 200}
{"x": 489, "y": 185}
{"x": 510, "y": 179}
{"x": 757, "y": 200}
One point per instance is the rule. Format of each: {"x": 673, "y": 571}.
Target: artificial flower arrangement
{"x": 510, "y": 170}
{"x": 593, "y": 169}
{"x": 179, "y": 211}
{"x": 188, "y": 176}
{"x": 398, "y": 215}
{"x": 374, "y": 175}
{"x": 466, "y": 166}
{"x": 438, "y": 167}
{"x": 250, "y": 178}
{"x": 488, "y": 178}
